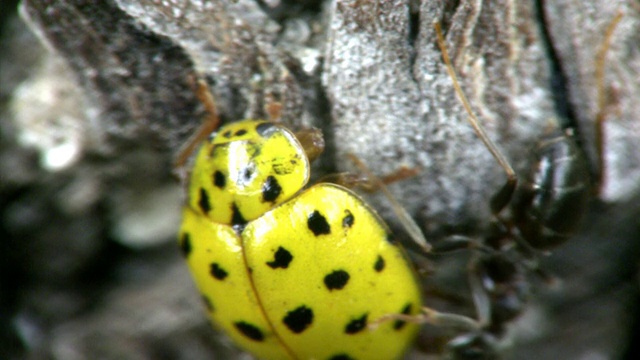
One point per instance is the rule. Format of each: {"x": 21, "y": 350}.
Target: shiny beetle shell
{"x": 290, "y": 273}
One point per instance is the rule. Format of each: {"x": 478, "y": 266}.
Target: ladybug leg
{"x": 369, "y": 181}
{"x": 430, "y": 316}
{"x": 402, "y": 173}
{"x": 363, "y": 182}
{"x": 210, "y": 123}
{"x": 272, "y": 77}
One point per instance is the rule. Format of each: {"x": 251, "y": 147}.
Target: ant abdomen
{"x": 552, "y": 198}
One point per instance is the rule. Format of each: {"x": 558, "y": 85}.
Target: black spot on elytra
{"x": 390, "y": 239}
{"x": 185, "y": 244}
{"x": 348, "y": 219}
{"x": 240, "y": 132}
{"x": 214, "y": 152}
{"x": 341, "y": 357}
{"x": 399, "y": 324}
{"x": 236, "y": 216}
{"x": 281, "y": 259}
{"x": 227, "y": 134}
{"x": 265, "y": 129}
{"x": 318, "y": 224}
{"x": 356, "y": 325}
{"x": 379, "y": 265}
{"x": 250, "y": 331}
{"x": 217, "y": 271}
{"x": 299, "y": 319}
{"x": 247, "y": 172}
{"x": 207, "y": 303}
{"x": 203, "y": 202}
{"x": 271, "y": 189}
{"x": 336, "y": 280}
{"x": 219, "y": 180}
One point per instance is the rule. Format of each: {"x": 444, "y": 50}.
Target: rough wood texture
{"x": 109, "y": 105}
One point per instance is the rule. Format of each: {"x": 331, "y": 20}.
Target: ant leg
{"x": 481, "y": 301}
{"x": 602, "y": 100}
{"x": 454, "y": 243}
{"x": 209, "y": 124}
{"x": 500, "y": 200}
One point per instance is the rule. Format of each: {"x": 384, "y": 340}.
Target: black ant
{"x": 532, "y": 215}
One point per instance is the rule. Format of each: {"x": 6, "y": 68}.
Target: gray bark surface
{"x": 92, "y": 121}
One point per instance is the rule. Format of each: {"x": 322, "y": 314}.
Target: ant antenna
{"x": 602, "y": 97}
{"x": 504, "y": 195}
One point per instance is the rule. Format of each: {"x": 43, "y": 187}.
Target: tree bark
{"x": 371, "y": 76}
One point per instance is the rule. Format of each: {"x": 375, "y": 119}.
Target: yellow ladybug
{"x": 289, "y": 272}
